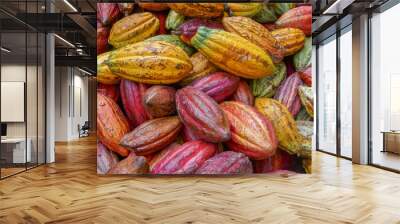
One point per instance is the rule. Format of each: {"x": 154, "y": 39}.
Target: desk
{"x": 13, "y": 150}
{"x": 391, "y": 141}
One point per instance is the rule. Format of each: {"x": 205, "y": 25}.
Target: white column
{"x": 360, "y": 90}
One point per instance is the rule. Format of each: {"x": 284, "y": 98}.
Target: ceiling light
{"x": 84, "y": 71}
{"x": 5, "y": 50}
{"x": 337, "y": 7}
{"x": 70, "y": 5}
{"x": 64, "y": 40}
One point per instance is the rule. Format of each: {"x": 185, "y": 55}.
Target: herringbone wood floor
{"x": 69, "y": 191}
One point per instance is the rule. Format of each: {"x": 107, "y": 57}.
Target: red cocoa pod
{"x": 251, "y": 133}
{"x": 111, "y": 91}
{"x": 227, "y": 162}
{"x": 202, "y": 115}
{"x": 280, "y": 161}
{"x": 102, "y": 38}
{"x": 132, "y": 164}
{"x": 156, "y": 157}
{"x": 162, "y": 17}
{"x": 107, "y": 13}
{"x": 183, "y": 159}
{"x": 106, "y": 159}
{"x": 306, "y": 76}
{"x": 218, "y": 85}
{"x": 188, "y": 135}
{"x": 299, "y": 17}
{"x": 189, "y": 28}
{"x": 287, "y": 93}
{"x": 153, "y": 135}
{"x": 159, "y": 101}
{"x": 111, "y": 124}
{"x": 243, "y": 94}
{"x": 131, "y": 96}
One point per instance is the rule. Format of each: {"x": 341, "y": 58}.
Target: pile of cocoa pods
{"x": 204, "y": 88}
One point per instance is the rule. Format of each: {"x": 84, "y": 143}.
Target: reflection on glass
{"x": 327, "y": 96}
{"x": 346, "y": 94}
{"x": 385, "y": 85}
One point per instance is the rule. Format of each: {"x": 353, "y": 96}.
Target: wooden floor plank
{"x": 70, "y": 191}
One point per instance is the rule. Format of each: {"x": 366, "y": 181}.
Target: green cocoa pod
{"x": 303, "y": 115}
{"x": 302, "y": 59}
{"x": 266, "y": 87}
{"x": 174, "y": 20}
{"x": 175, "y": 40}
{"x": 266, "y": 15}
{"x": 281, "y": 8}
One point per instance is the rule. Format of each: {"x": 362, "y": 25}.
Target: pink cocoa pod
{"x": 280, "y": 161}
{"x": 106, "y": 159}
{"x": 202, "y": 115}
{"x": 111, "y": 91}
{"x": 252, "y": 133}
{"x": 218, "y": 85}
{"x": 243, "y": 94}
{"x": 188, "y": 135}
{"x": 183, "y": 159}
{"x": 107, "y": 13}
{"x": 132, "y": 96}
{"x": 287, "y": 93}
{"x": 228, "y": 162}
{"x": 102, "y": 38}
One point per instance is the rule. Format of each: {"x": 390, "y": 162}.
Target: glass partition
{"x": 346, "y": 92}
{"x": 385, "y": 89}
{"x": 327, "y": 96}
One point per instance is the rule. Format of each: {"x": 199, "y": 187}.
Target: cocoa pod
{"x": 202, "y": 10}
{"x": 152, "y": 135}
{"x": 189, "y": 28}
{"x": 188, "y": 135}
{"x": 280, "y": 161}
{"x": 306, "y": 76}
{"x": 183, "y": 159}
{"x": 159, "y": 101}
{"x": 307, "y": 99}
{"x": 287, "y": 93}
{"x": 126, "y": 8}
{"x": 226, "y": 163}
{"x": 202, "y": 115}
{"x": 102, "y": 38}
{"x": 289, "y": 137}
{"x": 106, "y": 159}
{"x": 292, "y": 39}
{"x": 243, "y": 94}
{"x": 132, "y": 164}
{"x": 155, "y": 158}
{"x": 218, "y": 85}
{"x": 154, "y": 6}
{"x": 303, "y": 115}
{"x": 299, "y": 17}
{"x": 132, "y": 95}
{"x": 201, "y": 67}
{"x": 107, "y": 13}
{"x": 104, "y": 74}
{"x": 266, "y": 87}
{"x": 302, "y": 59}
{"x": 162, "y": 18}
{"x": 111, "y": 124}
{"x": 306, "y": 128}
{"x": 111, "y": 91}
{"x": 251, "y": 133}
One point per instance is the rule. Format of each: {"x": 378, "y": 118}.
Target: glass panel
{"x": 13, "y": 87}
{"x": 327, "y": 96}
{"x": 346, "y": 94}
{"x": 385, "y": 84}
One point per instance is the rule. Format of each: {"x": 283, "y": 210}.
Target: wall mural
{"x": 204, "y": 88}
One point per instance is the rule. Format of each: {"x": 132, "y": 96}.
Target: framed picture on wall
{"x": 204, "y": 88}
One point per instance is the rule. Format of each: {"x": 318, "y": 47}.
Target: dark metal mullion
{"x": 26, "y": 87}
{"x": 37, "y": 90}
{"x": 338, "y": 98}
{"x": 317, "y": 97}
{"x": 369, "y": 91}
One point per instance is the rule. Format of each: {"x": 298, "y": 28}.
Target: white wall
{"x": 70, "y": 84}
